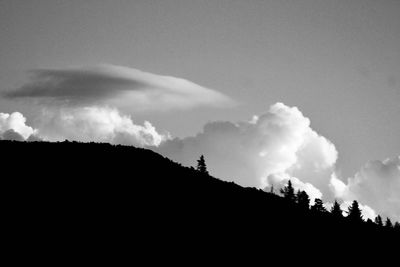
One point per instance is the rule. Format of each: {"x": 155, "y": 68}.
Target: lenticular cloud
{"x": 118, "y": 86}
{"x": 266, "y": 151}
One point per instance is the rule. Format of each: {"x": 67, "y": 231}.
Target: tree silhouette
{"x": 388, "y": 223}
{"x": 303, "y": 199}
{"x": 318, "y": 206}
{"x": 336, "y": 211}
{"x": 370, "y": 222}
{"x": 378, "y": 221}
{"x": 272, "y": 189}
{"x": 397, "y": 226}
{"x": 201, "y": 165}
{"x": 288, "y": 192}
{"x": 355, "y": 213}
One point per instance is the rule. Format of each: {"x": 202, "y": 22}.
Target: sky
{"x": 153, "y": 71}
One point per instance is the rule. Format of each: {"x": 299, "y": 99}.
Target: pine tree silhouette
{"x": 288, "y": 192}
{"x": 378, "y": 221}
{"x": 397, "y": 226}
{"x": 272, "y": 190}
{"x": 336, "y": 211}
{"x": 355, "y": 213}
{"x": 388, "y": 223}
{"x": 201, "y": 165}
{"x": 318, "y": 206}
{"x": 303, "y": 200}
{"x": 370, "y": 222}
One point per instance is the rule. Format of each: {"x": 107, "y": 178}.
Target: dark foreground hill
{"x": 77, "y": 198}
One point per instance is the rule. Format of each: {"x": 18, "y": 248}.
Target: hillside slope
{"x": 99, "y": 194}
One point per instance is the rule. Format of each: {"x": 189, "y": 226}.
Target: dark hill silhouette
{"x": 86, "y": 196}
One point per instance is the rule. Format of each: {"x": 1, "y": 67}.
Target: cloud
{"x": 116, "y": 86}
{"x": 34, "y": 138}
{"x": 98, "y": 124}
{"x": 280, "y": 145}
{"x": 377, "y": 185}
{"x": 11, "y": 135}
{"x": 15, "y": 122}
{"x": 265, "y": 151}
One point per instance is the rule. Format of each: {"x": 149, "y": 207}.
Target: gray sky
{"x": 337, "y": 61}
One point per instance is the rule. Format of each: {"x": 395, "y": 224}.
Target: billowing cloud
{"x": 14, "y": 123}
{"x": 34, "y": 138}
{"x": 280, "y": 145}
{"x": 266, "y": 151}
{"x": 269, "y": 150}
{"x": 116, "y": 86}
{"x": 98, "y": 124}
{"x": 84, "y": 124}
{"x": 11, "y": 135}
{"x": 377, "y": 185}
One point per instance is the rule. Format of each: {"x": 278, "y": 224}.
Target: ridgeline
{"x": 89, "y": 195}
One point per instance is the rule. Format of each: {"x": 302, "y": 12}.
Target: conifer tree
{"x": 370, "y": 222}
{"x": 303, "y": 200}
{"x": 388, "y": 223}
{"x": 318, "y": 206}
{"x": 378, "y": 221}
{"x": 288, "y": 192}
{"x": 355, "y": 213}
{"x": 201, "y": 165}
{"x": 271, "y": 190}
{"x": 397, "y": 226}
{"x": 336, "y": 211}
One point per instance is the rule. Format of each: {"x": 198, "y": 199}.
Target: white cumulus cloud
{"x": 15, "y": 122}
{"x": 98, "y": 124}
{"x": 269, "y": 150}
{"x": 377, "y": 185}
{"x": 265, "y": 151}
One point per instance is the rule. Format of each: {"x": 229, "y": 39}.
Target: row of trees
{"x": 302, "y": 199}
{"x": 354, "y": 213}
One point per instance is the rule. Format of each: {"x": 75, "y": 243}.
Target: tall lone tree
{"x": 336, "y": 211}
{"x": 201, "y": 165}
{"x": 355, "y": 212}
{"x": 288, "y": 192}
